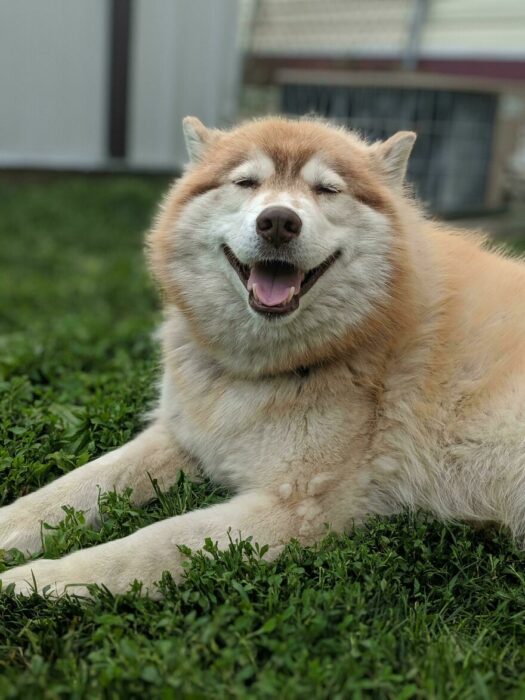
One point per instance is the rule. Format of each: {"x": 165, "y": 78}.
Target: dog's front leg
{"x": 266, "y": 517}
{"x": 151, "y": 455}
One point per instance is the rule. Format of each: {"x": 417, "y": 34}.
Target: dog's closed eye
{"x": 247, "y": 183}
{"x": 326, "y": 189}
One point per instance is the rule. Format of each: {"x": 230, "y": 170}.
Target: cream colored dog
{"x": 329, "y": 354}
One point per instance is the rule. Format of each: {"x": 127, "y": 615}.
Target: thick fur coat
{"x": 348, "y": 358}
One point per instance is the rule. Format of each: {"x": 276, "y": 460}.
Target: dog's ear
{"x": 197, "y": 137}
{"x": 392, "y": 156}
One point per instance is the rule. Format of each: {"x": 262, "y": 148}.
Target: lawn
{"x": 404, "y": 608}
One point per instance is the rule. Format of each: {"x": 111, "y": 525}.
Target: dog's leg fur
{"x": 151, "y": 455}
{"x": 147, "y": 553}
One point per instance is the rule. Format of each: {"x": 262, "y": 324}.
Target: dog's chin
{"x": 274, "y": 287}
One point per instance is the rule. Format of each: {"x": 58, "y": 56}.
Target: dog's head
{"x": 278, "y": 243}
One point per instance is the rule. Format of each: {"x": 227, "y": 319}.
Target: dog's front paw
{"x": 42, "y": 576}
{"x": 113, "y": 565}
{"x": 20, "y": 529}
{"x": 45, "y": 576}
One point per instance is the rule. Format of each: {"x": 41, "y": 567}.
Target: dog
{"x": 329, "y": 353}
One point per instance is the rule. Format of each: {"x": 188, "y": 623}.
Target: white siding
{"x": 381, "y": 28}
{"x": 52, "y": 82}
{"x": 475, "y": 29}
{"x": 54, "y": 79}
{"x": 185, "y": 61}
{"x": 342, "y": 28}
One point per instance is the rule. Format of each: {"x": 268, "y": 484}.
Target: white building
{"x": 488, "y": 33}
{"x": 92, "y": 84}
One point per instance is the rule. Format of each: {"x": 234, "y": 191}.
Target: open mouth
{"x": 274, "y": 286}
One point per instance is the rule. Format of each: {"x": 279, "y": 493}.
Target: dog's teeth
{"x": 290, "y": 295}
{"x": 249, "y": 286}
{"x": 254, "y": 290}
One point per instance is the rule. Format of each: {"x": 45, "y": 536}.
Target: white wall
{"x": 54, "y": 79}
{"x": 475, "y": 29}
{"x": 381, "y": 28}
{"x": 185, "y": 61}
{"x": 335, "y": 28}
{"x": 53, "y": 82}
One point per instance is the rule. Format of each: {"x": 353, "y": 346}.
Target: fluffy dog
{"x": 328, "y": 354}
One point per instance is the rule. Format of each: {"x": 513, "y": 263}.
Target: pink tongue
{"x": 273, "y": 283}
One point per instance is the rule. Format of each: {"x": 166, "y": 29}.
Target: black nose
{"x": 278, "y": 225}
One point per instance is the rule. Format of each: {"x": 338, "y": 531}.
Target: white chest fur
{"x": 266, "y": 431}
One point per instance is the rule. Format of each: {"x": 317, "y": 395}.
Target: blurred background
{"x": 101, "y": 86}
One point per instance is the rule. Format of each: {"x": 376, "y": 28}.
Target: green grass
{"x": 404, "y": 608}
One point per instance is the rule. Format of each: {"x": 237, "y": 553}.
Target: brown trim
{"x": 262, "y": 69}
{"x": 119, "y": 77}
{"x": 398, "y": 79}
{"x": 489, "y": 68}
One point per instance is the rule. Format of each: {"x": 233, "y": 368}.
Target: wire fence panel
{"x": 450, "y": 164}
